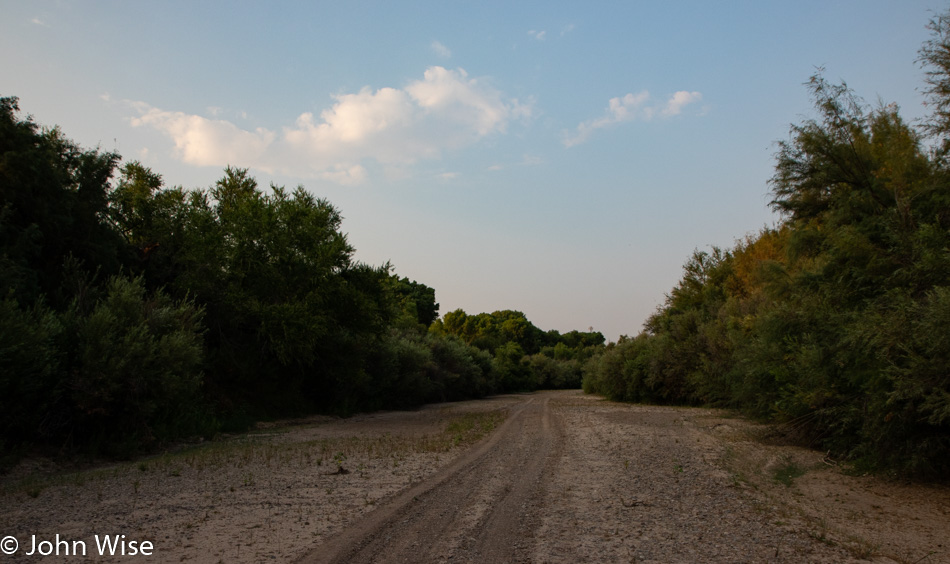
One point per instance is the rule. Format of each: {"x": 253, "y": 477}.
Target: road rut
{"x": 484, "y": 507}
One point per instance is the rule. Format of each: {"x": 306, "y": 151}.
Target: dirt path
{"x": 549, "y": 477}
{"x": 569, "y": 479}
{"x": 484, "y": 507}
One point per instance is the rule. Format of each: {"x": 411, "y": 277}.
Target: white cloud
{"x": 567, "y": 29}
{"x": 625, "y": 109}
{"x": 450, "y": 96}
{"x": 37, "y": 21}
{"x": 205, "y": 142}
{"x": 539, "y": 35}
{"x": 353, "y": 118}
{"x": 618, "y": 110}
{"x": 395, "y": 127}
{"x": 354, "y": 174}
{"x": 628, "y": 108}
{"x": 441, "y": 50}
{"x": 680, "y": 99}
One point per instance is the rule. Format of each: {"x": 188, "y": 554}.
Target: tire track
{"x": 484, "y": 507}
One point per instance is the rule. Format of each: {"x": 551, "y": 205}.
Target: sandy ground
{"x": 547, "y": 477}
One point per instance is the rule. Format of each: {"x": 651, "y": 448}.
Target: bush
{"x": 462, "y": 371}
{"x": 906, "y": 404}
{"x": 136, "y": 374}
{"x": 514, "y": 373}
{"x": 29, "y": 368}
{"x": 550, "y": 373}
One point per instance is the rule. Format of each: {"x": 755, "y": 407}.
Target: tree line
{"x": 835, "y": 321}
{"x": 133, "y": 313}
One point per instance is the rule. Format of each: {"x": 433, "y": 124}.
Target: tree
{"x": 934, "y": 57}
{"x": 415, "y": 302}
{"x": 822, "y": 322}
{"x": 53, "y": 204}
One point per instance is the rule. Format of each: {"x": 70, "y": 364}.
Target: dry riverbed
{"x": 546, "y": 477}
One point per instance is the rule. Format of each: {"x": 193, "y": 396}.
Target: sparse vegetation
{"x": 258, "y": 450}
{"x": 787, "y": 472}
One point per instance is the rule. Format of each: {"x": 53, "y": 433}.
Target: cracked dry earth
{"x": 563, "y": 477}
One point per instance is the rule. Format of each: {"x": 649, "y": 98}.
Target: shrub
{"x": 29, "y": 367}
{"x": 136, "y": 374}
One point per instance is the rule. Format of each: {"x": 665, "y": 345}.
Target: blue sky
{"x": 562, "y": 159}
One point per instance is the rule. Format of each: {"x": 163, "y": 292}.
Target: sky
{"x": 563, "y": 159}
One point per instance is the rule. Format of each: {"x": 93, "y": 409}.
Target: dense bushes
{"x": 29, "y": 369}
{"x": 834, "y": 322}
{"x": 525, "y": 358}
{"x": 134, "y": 313}
{"x": 420, "y": 368}
{"x": 136, "y": 368}
{"x": 116, "y": 377}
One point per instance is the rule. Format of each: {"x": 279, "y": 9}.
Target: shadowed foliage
{"x": 834, "y": 321}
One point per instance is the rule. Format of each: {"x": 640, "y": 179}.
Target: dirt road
{"x": 484, "y": 507}
{"x": 551, "y": 477}
{"x": 566, "y": 479}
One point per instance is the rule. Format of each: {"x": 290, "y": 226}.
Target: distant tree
{"x": 488, "y": 331}
{"x": 415, "y": 302}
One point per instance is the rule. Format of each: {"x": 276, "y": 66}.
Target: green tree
{"x": 53, "y": 201}
{"x": 823, "y": 322}
{"x": 415, "y": 303}
{"x": 291, "y": 318}
{"x": 934, "y": 57}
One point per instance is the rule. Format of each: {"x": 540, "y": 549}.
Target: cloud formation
{"x": 394, "y": 127}
{"x": 628, "y": 108}
{"x": 680, "y": 99}
{"x": 441, "y": 50}
{"x": 201, "y": 141}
